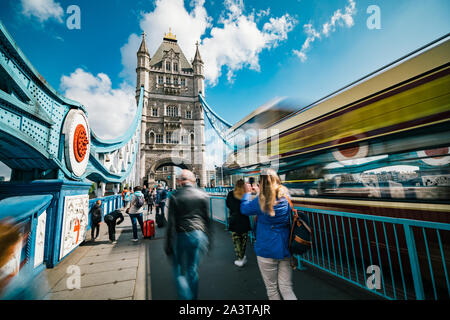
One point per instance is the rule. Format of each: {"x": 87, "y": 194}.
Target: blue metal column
{"x": 414, "y": 260}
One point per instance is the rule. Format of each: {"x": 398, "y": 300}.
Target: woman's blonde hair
{"x": 239, "y": 189}
{"x": 270, "y": 190}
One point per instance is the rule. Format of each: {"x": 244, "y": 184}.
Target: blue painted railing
{"x": 109, "y": 204}
{"x": 219, "y": 212}
{"x": 219, "y": 190}
{"x": 409, "y": 257}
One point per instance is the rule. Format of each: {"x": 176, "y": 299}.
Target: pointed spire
{"x": 143, "y": 47}
{"x": 197, "y": 57}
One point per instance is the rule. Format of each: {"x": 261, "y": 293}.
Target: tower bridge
{"x": 55, "y": 155}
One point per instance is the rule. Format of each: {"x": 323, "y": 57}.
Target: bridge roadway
{"x": 141, "y": 271}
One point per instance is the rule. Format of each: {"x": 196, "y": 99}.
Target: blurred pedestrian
{"x": 96, "y": 218}
{"x": 135, "y": 211}
{"x": 17, "y": 279}
{"x": 150, "y": 200}
{"x": 160, "y": 203}
{"x": 188, "y": 235}
{"x": 272, "y": 247}
{"x": 112, "y": 219}
{"x": 145, "y": 192}
{"x": 126, "y": 197}
{"x": 10, "y": 245}
{"x": 238, "y": 224}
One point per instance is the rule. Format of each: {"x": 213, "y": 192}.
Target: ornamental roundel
{"x": 344, "y": 153}
{"x": 435, "y": 157}
{"x": 77, "y": 142}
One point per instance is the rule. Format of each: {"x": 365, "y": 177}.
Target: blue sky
{"x": 252, "y": 48}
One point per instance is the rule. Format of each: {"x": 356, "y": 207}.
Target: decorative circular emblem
{"x": 77, "y": 141}
{"x": 435, "y": 157}
{"x": 345, "y": 153}
{"x": 80, "y": 142}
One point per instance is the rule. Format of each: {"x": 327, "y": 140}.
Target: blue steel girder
{"x": 220, "y": 126}
{"x": 32, "y": 122}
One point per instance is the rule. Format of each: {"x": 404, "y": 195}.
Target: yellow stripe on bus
{"x": 425, "y": 100}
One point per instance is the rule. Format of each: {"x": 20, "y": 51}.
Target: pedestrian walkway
{"x": 108, "y": 271}
{"x": 141, "y": 270}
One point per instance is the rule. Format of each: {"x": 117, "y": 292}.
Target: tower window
{"x": 172, "y": 111}
{"x": 172, "y": 137}
{"x": 175, "y": 67}
{"x": 188, "y": 114}
{"x": 160, "y": 79}
{"x": 159, "y": 138}
{"x": 168, "y": 66}
{"x": 167, "y": 80}
{"x": 154, "y": 112}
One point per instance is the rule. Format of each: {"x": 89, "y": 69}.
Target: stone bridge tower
{"x": 172, "y": 120}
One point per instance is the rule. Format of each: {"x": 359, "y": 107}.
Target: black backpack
{"x": 300, "y": 235}
{"x": 139, "y": 201}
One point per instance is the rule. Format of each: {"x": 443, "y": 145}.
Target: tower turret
{"x": 143, "y": 66}
{"x": 199, "y": 78}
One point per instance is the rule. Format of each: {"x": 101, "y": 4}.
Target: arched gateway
{"x": 172, "y": 120}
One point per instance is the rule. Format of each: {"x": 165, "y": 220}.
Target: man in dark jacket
{"x": 96, "y": 218}
{"x": 111, "y": 221}
{"x": 188, "y": 234}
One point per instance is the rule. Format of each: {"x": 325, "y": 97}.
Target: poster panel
{"x": 75, "y": 221}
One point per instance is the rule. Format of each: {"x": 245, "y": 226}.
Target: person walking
{"x": 17, "y": 279}
{"x": 188, "y": 235}
{"x": 160, "y": 203}
{"x": 112, "y": 219}
{"x": 145, "y": 192}
{"x": 135, "y": 211}
{"x": 239, "y": 225}
{"x": 150, "y": 200}
{"x": 126, "y": 197}
{"x": 272, "y": 247}
{"x": 96, "y": 218}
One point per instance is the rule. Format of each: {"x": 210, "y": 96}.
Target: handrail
{"x": 351, "y": 246}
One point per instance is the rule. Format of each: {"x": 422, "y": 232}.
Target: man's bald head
{"x": 186, "y": 176}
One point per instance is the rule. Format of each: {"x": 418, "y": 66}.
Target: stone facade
{"x": 172, "y": 120}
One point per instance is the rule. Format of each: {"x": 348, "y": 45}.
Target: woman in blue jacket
{"x": 272, "y": 234}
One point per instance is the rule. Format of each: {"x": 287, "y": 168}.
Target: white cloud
{"x": 233, "y": 44}
{"x": 43, "y": 10}
{"x": 188, "y": 27}
{"x": 110, "y": 111}
{"x": 262, "y": 13}
{"x": 328, "y": 27}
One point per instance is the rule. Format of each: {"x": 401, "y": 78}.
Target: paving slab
{"x": 108, "y": 271}
{"x": 99, "y": 278}
{"x": 101, "y": 292}
{"x": 121, "y": 256}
